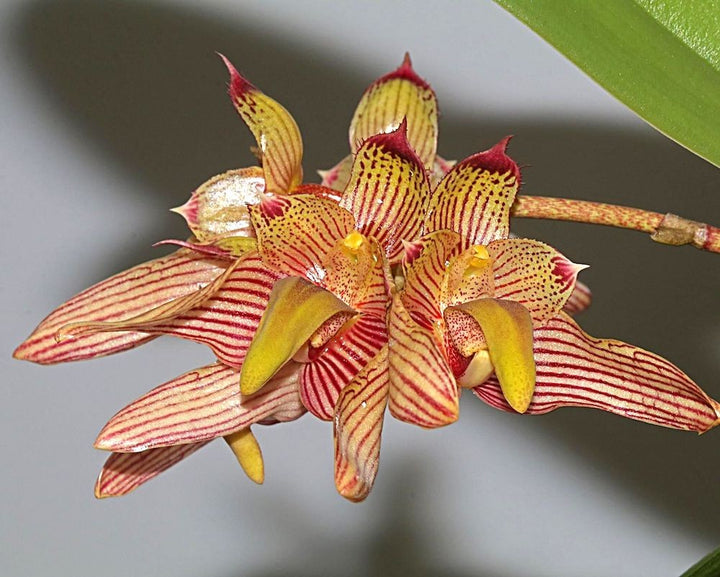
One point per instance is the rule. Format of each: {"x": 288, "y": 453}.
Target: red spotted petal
{"x": 580, "y": 299}
{"x": 577, "y": 370}
{"x": 422, "y": 387}
{"x": 296, "y": 233}
{"x": 277, "y": 135}
{"x": 533, "y": 274}
{"x": 125, "y": 472}
{"x": 397, "y": 96}
{"x": 358, "y": 428}
{"x": 219, "y": 206}
{"x": 133, "y": 292}
{"x": 333, "y": 366}
{"x": 475, "y": 197}
{"x": 198, "y": 406}
{"x": 388, "y": 191}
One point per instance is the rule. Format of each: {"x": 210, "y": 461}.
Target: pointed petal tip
{"x": 396, "y": 142}
{"x": 238, "y": 83}
{"x": 406, "y": 72}
{"x": 495, "y": 159}
{"x": 189, "y": 211}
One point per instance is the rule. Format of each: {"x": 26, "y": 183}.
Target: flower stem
{"x": 663, "y": 228}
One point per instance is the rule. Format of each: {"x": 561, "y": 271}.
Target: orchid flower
{"x": 392, "y": 285}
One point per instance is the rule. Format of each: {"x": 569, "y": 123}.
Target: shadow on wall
{"x": 142, "y": 85}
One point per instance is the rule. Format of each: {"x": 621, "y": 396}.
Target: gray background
{"x": 112, "y": 112}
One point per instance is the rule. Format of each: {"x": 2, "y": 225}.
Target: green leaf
{"x": 708, "y": 566}
{"x": 662, "y": 59}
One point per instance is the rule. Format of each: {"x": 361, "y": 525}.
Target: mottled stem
{"x": 663, "y": 228}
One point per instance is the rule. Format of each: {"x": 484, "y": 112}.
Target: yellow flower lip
{"x": 353, "y": 241}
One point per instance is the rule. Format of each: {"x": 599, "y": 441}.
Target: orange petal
{"x": 580, "y": 299}
{"x": 294, "y": 312}
{"x": 198, "y": 406}
{"x": 397, "y": 96}
{"x": 577, "y": 370}
{"x": 508, "y": 330}
{"x": 422, "y": 388}
{"x": 125, "y": 472}
{"x": 219, "y": 206}
{"x": 296, "y": 233}
{"x": 475, "y": 197}
{"x": 277, "y": 135}
{"x": 533, "y": 274}
{"x": 132, "y": 292}
{"x": 388, "y": 190}
{"x": 425, "y": 276}
{"x": 358, "y": 428}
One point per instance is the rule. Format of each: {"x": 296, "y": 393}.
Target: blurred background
{"x": 113, "y": 112}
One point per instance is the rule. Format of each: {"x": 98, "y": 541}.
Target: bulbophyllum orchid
{"x": 392, "y": 285}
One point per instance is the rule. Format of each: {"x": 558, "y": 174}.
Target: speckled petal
{"x": 388, "y": 191}
{"x": 475, "y": 197}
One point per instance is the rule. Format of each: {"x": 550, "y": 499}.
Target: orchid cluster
{"x": 390, "y": 287}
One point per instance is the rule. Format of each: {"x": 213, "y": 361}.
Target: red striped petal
{"x": 422, "y": 387}
{"x": 358, "y": 428}
{"x": 388, "y": 191}
{"x": 219, "y": 206}
{"x": 296, "y": 233}
{"x": 129, "y": 293}
{"x": 425, "y": 276}
{"x": 331, "y": 368}
{"x": 577, "y": 370}
{"x": 397, "y": 96}
{"x": 278, "y": 137}
{"x": 475, "y": 197}
{"x": 533, "y": 274}
{"x": 198, "y": 406}
{"x": 580, "y": 299}
{"x": 125, "y": 472}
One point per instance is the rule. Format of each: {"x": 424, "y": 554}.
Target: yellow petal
{"x": 295, "y": 310}
{"x": 247, "y": 450}
{"x": 508, "y": 331}
{"x": 277, "y": 135}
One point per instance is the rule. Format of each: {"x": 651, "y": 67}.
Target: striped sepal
{"x": 422, "y": 388}
{"x": 278, "y": 137}
{"x": 425, "y": 276}
{"x": 399, "y": 95}
{"x": 580, "y": 299}
{"x": 296, "y": 233}
{"x": 197, "y": 406}
{"x": 125, "y": 472}
{"x": 224, "y": 315}
{"x": 388, "y": 191}
{"x": 533, "y": 274}
{"x": 577, "y": 370}
{"x": 331, "y": 368}
{"x": 130, "y": 293}
{"x": 219, "y": 206}
{"x": 475, "y": 197}
{"x": 358, "y": 428}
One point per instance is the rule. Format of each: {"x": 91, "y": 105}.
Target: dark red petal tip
{"x": 239, "y": 85}
{"x": 404, "y": 71}
{"x": 396, "y": 143}
{"x": 495, "y": 160}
